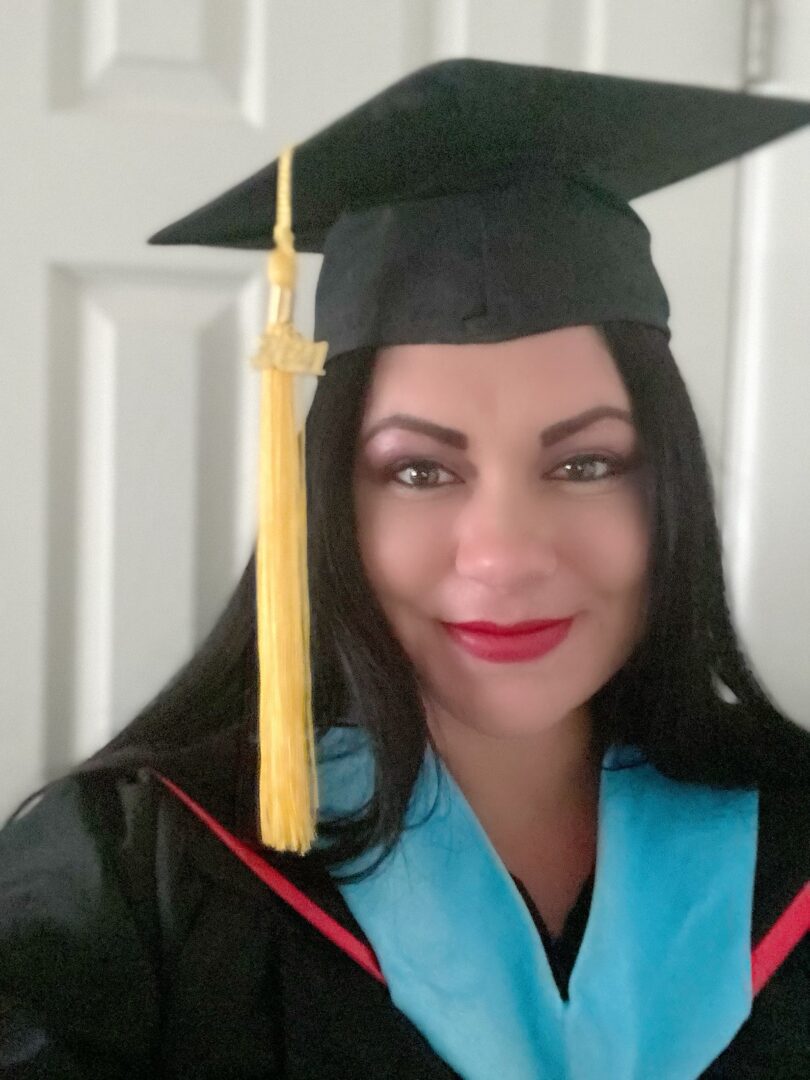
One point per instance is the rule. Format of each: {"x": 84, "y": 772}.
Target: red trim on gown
{"x": 767, "y": 955}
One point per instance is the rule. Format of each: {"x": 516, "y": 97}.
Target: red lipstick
{"x": 509, "y": 644}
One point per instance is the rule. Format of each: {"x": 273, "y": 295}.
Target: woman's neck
{"x": 521, "y": 783}
{"x": 537, "y": 799}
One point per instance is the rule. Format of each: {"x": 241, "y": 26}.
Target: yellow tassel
{"x": 288, "y": 798}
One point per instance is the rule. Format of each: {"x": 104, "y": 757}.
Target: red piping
{"x": 281, "y": 886}
{"x": 781, "y": 939}
{"x": 766, "y": 957}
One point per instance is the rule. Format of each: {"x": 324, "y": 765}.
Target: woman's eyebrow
{"x": 422, "y": 427}
{"x": 553, "y": 434}
{"x": 563, "y": 428}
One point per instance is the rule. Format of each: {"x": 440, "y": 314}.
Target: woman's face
{"x": 514, "y": 508}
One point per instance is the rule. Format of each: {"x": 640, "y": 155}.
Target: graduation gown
{"x": 133, "y": 943}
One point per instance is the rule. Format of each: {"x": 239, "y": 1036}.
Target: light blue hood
{"x": 662, "y": 982}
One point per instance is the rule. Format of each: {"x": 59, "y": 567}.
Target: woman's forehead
{"x": 565, "y": 368}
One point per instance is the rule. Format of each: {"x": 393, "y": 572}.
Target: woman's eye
{"x": 587, "y": 468}
{"x": 421, "y": 473}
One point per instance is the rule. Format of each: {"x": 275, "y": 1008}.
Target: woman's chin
{"x": 501, "y": 716}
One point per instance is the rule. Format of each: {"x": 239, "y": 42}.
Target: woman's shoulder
{"x": 784, "y": 822}
{"x": 104, "y": 813}
{"x": 109, "y": 888}
{"x": 78, "y": 870}
{"x": 112, "y": 828}
{"x": 783, "y": 853}
{"x": 76, "y": 929}
{"x": 75, "y": 831}
{"x": 773, "y": 1040}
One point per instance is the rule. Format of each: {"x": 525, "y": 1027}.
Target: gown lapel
{"x": 662, "y": 980}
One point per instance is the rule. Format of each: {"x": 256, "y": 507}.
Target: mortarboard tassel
{"x": 288, "y": 796}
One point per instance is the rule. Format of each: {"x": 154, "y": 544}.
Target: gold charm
{"x": 282, "y": 347}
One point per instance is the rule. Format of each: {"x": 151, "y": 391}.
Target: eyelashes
{"x": 578, "y": 467}
{"x": 592, "y": 468}
{"x": 417, "y": 467}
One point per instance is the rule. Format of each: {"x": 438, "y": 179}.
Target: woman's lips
{"x": 509, "y": 644}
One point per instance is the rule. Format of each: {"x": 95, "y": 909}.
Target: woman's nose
{"x": 504, "y": 540}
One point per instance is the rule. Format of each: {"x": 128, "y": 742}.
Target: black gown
{"x": 562, "y": 950}
{"x": 134, "y": 944}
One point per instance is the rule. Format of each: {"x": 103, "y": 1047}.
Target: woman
{"x": 544, "y": 850}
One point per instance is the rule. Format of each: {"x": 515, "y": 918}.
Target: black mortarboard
{"x": 473, "y": 201}
{"x": 478, "y": 201}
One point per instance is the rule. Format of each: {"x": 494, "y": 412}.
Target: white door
{"x": 127, "y": 412}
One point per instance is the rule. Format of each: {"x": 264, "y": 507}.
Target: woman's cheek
{"x": 608, "y": 541}
{"x": 403, "y": 546}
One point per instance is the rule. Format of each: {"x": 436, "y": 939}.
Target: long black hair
{"x": 686, "y": 697}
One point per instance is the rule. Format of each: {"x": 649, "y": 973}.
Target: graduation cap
{"x": 472, "y": 201}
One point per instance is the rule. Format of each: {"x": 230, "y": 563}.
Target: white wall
{"x": 127, "y": 412}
